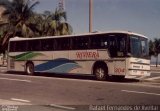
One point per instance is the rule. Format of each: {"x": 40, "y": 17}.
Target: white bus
{"x": 118, "y": 53}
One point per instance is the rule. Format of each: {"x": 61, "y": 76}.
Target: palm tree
{"x": 18, "y": 13}
{"x": 36, "y": 24}
{"x": 58, "y": 24}
{"x": 157, "y": 49}
{"x": 41, "y": 23}
{"x": 51, "y": 24}
{"x": 154, "y": 49}
{"x": 63, "y": 27}
{"x": 151, "y": 47}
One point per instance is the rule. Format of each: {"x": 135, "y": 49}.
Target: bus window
{"x": 47, "y": 44}
{"x": 112, "y": 47}
{"x": 80, "y": 43}
{"x": 145, "y": 51}
{"x": 12, "y": 47}
{"x": 62, "y": 44}
{"x": 117, "y": 45}
{"x": 33, "y": 45}
{"x": 121, "y": 49}
{"x": 20, "y": 46}
{"x": 135, "y": 46}
{"x": 99, "y": 42}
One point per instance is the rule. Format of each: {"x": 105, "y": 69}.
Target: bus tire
{"x": 101, "y": 72}
{"x": 30, "y": 68}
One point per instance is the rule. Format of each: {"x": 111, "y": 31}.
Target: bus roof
{"x": 96, "y": 33}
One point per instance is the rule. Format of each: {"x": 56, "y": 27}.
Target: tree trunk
{"x": 156, "y": 60}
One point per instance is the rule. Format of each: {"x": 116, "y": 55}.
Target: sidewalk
{"x": 3, "y": 63}
{"x": 3, "y": 69}
{"x": 155, "y": 69}
{"x": 153, "y": 80}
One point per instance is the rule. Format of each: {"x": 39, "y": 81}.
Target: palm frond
{"x": 33, "y": 5}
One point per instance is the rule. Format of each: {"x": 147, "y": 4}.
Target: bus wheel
{"x": 101, "y": 72}
{"x": 30, "y": 69}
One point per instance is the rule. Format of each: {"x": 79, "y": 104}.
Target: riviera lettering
{"x": 86, "y": 55}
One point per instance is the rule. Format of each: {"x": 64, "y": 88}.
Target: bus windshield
{"x": 139, "y": 47}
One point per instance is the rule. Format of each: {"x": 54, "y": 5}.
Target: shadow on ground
{"x": 79, "y": 76}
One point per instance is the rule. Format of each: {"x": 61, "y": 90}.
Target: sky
{"x": 140, "y": 16}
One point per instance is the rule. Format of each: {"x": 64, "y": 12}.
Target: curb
{"x": 155, "y": 72}
{"x": 153, "y": 81}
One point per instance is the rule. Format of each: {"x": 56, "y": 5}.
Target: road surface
{"x": 65, "y": 93}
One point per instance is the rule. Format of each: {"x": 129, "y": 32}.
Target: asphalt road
{"x": 57, "y": 92}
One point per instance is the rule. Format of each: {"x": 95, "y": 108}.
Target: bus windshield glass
{"x": 139, "y": 47}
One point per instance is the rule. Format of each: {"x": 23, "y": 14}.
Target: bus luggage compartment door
{"x": 119, "y": 67}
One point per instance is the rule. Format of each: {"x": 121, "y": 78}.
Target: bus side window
{"x": 80, "y": 43}
{"x": 117, "y": 45}
{"x": 121, "y": 48}
{"x": 99, "y": 42}
{"x": 12, "y": 46}
{"x": 47, "y": 44}
{"x": 122, "y": 44}
{"x": 20, "y": 46}
{"x": 95, "y": 42}
{"x": 144, "y": 50}
{"x": 33, "y": 45}
{"x": 65, "y": 43}
{"x": 104, "y": 42}
{"x": 62, "y": 44}
{"x": 112, "y": 47}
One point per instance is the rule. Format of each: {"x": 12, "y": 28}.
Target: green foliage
{"x": 18, "y": 13}
{"x": 23, "y": 22}
{"x": 151, "y": 48}
{"x": 51, "y": 24}
{"x": 154, "y": 48}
